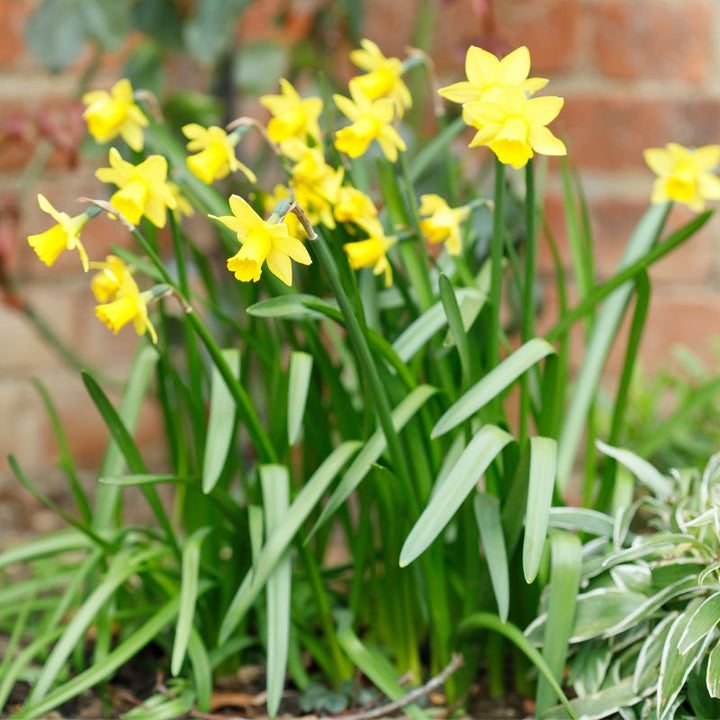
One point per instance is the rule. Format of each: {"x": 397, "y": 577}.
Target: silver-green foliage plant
{"x": 644, "y": 640}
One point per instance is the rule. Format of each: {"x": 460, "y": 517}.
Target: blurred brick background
{"x": 634, "y": 74}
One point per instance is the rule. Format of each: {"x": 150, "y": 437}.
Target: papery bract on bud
{"x": 64, "y": 235}
{"x": 684, "y": 174}
{"x": 109, "y": 114}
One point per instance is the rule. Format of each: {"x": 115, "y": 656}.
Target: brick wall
{"x": 635, "y": 73}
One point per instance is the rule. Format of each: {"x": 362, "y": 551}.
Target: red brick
{"x": 14, "y": 14}
{"x": 644, "y": 39}
{"x": 610, "y": 132}
{"x": 549, "y": 28}
{"x": 613, "y": 221}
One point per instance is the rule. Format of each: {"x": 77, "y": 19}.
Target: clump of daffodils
{"x": 498, "y": 100}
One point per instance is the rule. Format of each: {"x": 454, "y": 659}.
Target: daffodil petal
{"x": 280, "y": 266}
{"x": 709, "y": 186}
{"x": 544, "y": 142}
{"x": 244, "y": 213}
{"x": 514, "y": 68}
{"x": 659, "y": 161}
{"x": 481, "y": 66}
{"x": 543, "y": 110}
{"x": 707, "y": 157}
{"x": 293, "y": 248}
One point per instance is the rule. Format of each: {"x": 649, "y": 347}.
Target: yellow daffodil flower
{"x": 486, "y": 74}
{"x": 294, "y": 118}
{"x": 370, "y": 121}
{"x": 281, "y": 192}
{"x": 215, "y": 153}
{"x": 107, "y": 283}
{"x": 684, "y": 174}
{"x": 262, "y": 242}
{"x": 371, "y": 252}
{"x": 441, "y": 223}
{"x": 64, "y": 235}
{"x": 121, "y": 299}
{"x": 353, "y": 206}
{"x": 109, "y": 114}
{"x": 383, "y": 76}
{"x": 513, "y": 125}
{"x": 316, "y": 185}
{"x": 144, "y": 190}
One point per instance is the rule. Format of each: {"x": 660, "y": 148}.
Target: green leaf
{"x": 486, "y": 621}
{"x": 275, "y": 483}
{"x": 645, "y": 676}
{"x": 485, "y": 446}
{"x": 298, "y": 385}
{"x": 543, "y": 465}
{"x": 95, "y": 674}
{"x": 650, "y": 477}
{"x": 418, "y": 333}
{"x": 209, "y": 33}
{"x": 566, "y": 561}
{"x": 701, "y": 623}
{"x": 712, "y": 678}
{"x": 675, "y": 667}
{"x": 221, "y": 422}
{"x": 188, "y": 597}
{"x": 487, "y": 515}
{"x": 455, "y": 322}
{"x": 601, "y": 341}
{"x": 439, "y": 145}
{"x": 55, "y": 544}
{"x": 373, "y": 664}
{"x": 286, "y": 307}
{"x": 596, "y": 611}
{"x": 55, "y": 33}
{"x": 202, "y": 670}
{"x": 122, "y": 567}
{"x": 493, "y": 384}
{"x": 279, "y": 540}
{"x": 601, "y": 704}
{"x": 107, "y": 22}
{"x": 372, "y": 450}
{"x": 258, "y": 65}
{"x": 582, "y": 520}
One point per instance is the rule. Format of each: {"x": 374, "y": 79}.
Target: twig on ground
{"x": 384, "y": 710}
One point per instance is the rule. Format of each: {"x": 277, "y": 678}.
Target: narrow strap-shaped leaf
{"x": 121, "y": 568}
{"x": 221, "y": 422}
{"x": 487, "y": 621}
{"x": 188, "y": 597}
{"x": 493, "y": 384}
{"x": 566, "y": 561}
{"x": 202, "y": 670}
{"x": 275, "y": 483}
{"x": 301, "y": 364}
{"x": 645, "y": 676}
{"x": 455, "y": 323}
{"x": 701, "y": 623}
{"x": 373, "y": 664}
{"x": 487, "y": 514}
{"x": 460, "y": 482}
{"x": 372, "y": 450}
{"x": 279, "y": 540}
{"x": 95, "y": 674}
{"x": 435, "y": 148}
{"x": 601, "y": 341}
{"x": 712, "y": 677}
{"x": 646, "y": 473}
{"x": 113, "y": 463}
{"x": 66, "y": 460}
{"x": 543, "y": 465}
{"x": 129, "y": 450}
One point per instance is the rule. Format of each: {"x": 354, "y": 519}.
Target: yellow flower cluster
{"x": 497, "y": 102}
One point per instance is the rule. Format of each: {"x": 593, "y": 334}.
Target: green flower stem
{"x": 259, "y": 437}
{"x": 528, "y": 311}
{"x": 496, "y": 256}
{"x": 367, "y": 364}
